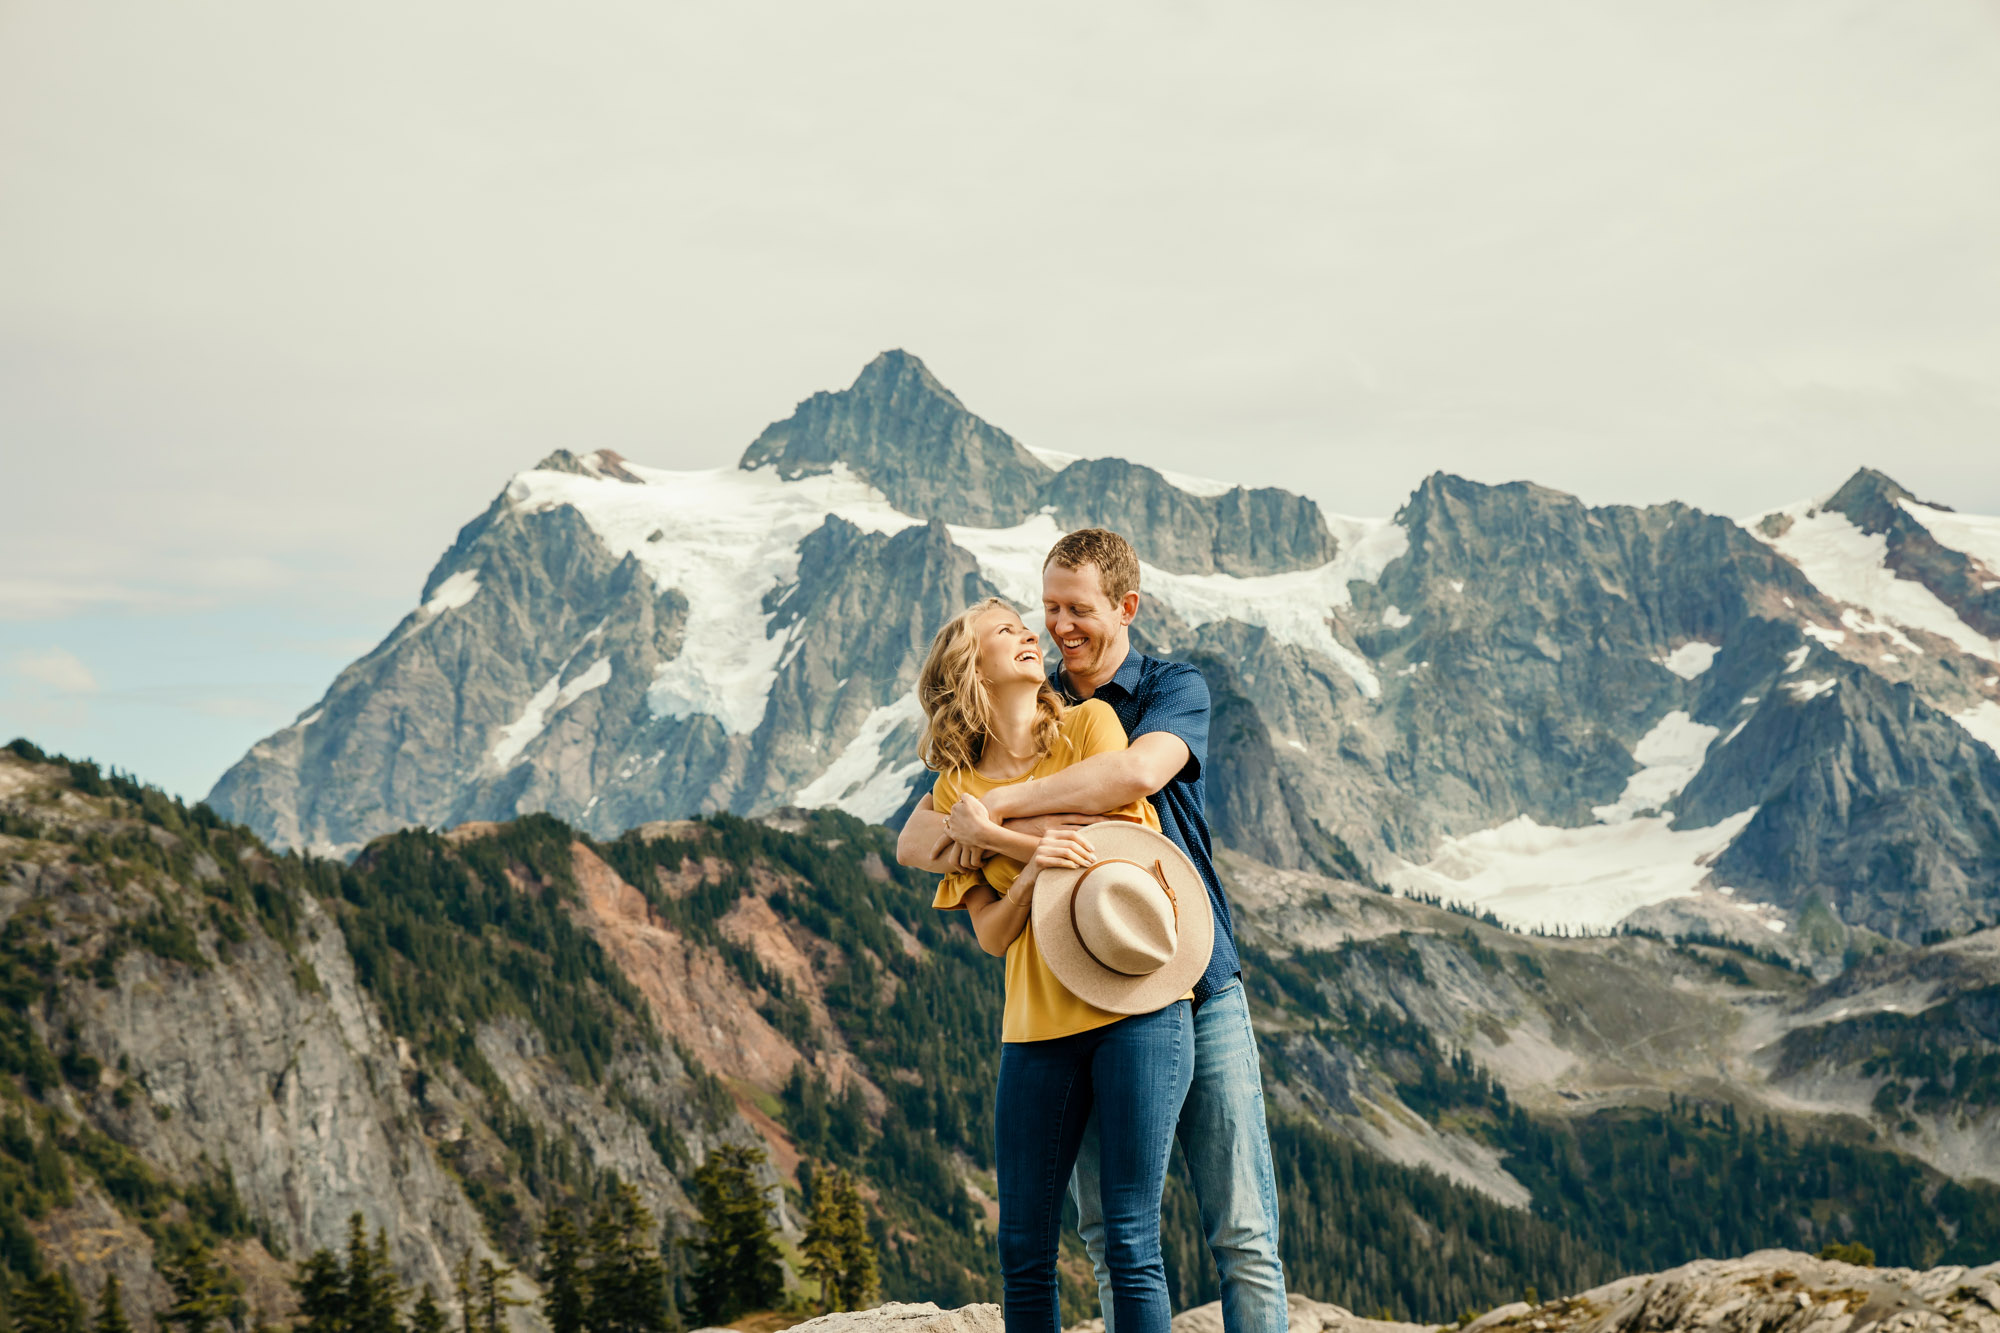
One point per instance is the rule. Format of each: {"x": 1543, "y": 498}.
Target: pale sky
{"x": 288, "y": 290}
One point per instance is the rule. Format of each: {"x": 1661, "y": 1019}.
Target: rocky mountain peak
{"x": 897, "y": 371}
{"x": 903, "y": 432}
{"x": 1870, "y": 500}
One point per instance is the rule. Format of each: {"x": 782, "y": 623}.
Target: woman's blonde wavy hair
{"x": 958, "y": 711}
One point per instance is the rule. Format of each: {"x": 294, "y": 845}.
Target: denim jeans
{"x": 1228, "y": 1151}
{"x": 1130, "y": 1078}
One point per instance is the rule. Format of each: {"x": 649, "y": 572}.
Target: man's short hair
{"x": 1117, "y": 563}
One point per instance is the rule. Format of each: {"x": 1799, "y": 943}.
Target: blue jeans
{"x": 1228, "y": 1152}
{"x": 1130, "y": 1078}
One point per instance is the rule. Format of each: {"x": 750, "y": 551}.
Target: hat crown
{"x": 1125, "y": 919}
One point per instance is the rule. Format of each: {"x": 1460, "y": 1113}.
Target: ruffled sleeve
{"x": 952, "y": 888}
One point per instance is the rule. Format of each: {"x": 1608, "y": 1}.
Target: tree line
{"x": 607, "y": 1272}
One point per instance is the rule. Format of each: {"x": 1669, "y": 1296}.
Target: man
{"x": 1090, "y": 596}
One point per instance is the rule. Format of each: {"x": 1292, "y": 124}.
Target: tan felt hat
{"x": 1132, "y": 933}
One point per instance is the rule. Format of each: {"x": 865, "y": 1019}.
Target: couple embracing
{"x": 1067, "y": 820}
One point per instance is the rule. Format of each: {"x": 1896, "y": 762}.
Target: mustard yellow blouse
{"x": 1039, "y": 1007}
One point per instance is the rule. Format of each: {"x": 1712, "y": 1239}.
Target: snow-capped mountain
{"x": 1498, "y": 696}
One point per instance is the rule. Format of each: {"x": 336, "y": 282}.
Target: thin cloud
{"x": 58, "y": 669}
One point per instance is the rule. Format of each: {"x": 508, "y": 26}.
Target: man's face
{"x": 1087, "y": 626}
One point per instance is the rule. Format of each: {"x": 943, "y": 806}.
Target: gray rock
{"x": 900, "y": 429}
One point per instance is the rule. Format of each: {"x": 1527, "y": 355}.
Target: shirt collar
{"x": 1125, "y": 678}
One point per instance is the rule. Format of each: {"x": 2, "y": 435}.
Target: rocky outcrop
{"x": 1771, "y": 1291}
{"x": 1867, "y": 798}
{"x": 1238, "y": 531}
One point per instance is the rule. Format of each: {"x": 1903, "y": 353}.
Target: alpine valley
{"x": 1617, "y": 887}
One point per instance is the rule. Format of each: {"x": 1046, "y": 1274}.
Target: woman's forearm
{"x": 999, "y": 922}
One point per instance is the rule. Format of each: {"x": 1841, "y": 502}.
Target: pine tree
{"x": 47, "y": 1304}
{"x": 371, "y": 1288}
{"x": 858, "y": 1280}
{"x": 564, "y": 1291}
{"x": 322, "y": 1289}
{"x": 736, "y": 1259}
{"x": 627, "y": 1282}
{"x": 111, "y": 1308}
{"x": 821, "y": 1246}
{"x": 493, "y": 1296}
{"x": 200, "y": 1296}
{"x": 427, "y": 1316}
{"x": 461, "y": 1283}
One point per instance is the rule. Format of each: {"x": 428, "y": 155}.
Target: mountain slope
{"x": 526, "y": 1013}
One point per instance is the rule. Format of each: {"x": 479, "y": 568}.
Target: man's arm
{"x": 917, "y": 845}
{"x": 1101, "y": 782}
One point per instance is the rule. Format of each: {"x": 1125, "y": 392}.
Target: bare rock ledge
{"x": 1771, "y": 1291}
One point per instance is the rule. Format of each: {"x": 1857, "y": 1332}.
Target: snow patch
{"x": 1669, "y": 756}
{"x": 1593, "y": 877}
{"x": 1803, "y": 690}
{"x": 1861, "y": 624}
{"x": 1690, "y": 659}
{"x": 454, "y": 592}
{"x": 729, "y": 537}
{"x": 309, "y": 719}
{"x": 1054, "y": 458}
{"x": 1205, "y": 487}
{"x": 1851, "y": 566}
{"x": 1969, "y": 534}
{"x": 1797, "y": 658}
{"x": 1983, "y": 721}
{"x": 549, "y": 700}
{"x": 1830, "y": 638}
{"x": 858, "y": 780}
{"x": 1394, "y": 618}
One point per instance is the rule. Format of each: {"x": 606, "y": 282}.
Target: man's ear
{"x": 1129, "y": 605}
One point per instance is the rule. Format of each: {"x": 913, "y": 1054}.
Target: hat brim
{"x": 1089, "y": 980}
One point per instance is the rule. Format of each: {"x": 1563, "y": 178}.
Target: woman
{"x": 991, "y": 718}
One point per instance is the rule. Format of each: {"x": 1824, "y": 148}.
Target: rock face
{"x": 1771, "y": 1291}
{"x": 1767, "y": 1292}
{"x": 215, "y": 1040}
{"x": 1501, "y": 696}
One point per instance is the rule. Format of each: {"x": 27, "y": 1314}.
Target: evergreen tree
{"x": 461, "y": 1284}
{"x": 859, "y": 1284}
{"x": 111, "y": 1308}
{"x": 564, "y": 1291}
{"x": 736, "y": 1259}
{"x": 322, "y": 1289}
{"x": 427, "y": 1316}
{"x": 371, "y": 1289}
{"x": 493, "y": 1295}
{"x": 47, "y": 1304}
{"x": 627, "y": 1282}
{"x": 821, "y": 1246}
{"x": 201, "y": 1298}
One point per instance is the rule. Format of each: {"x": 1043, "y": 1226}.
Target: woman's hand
{"x": 1065, "y": 848}
{"x": 969, "y": 824}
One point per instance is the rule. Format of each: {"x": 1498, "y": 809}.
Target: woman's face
{"x": 1008, "y": 651}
